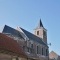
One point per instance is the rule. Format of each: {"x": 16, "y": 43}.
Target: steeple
{"x": 41, "y": 32}
{"x": 40, "y": 24}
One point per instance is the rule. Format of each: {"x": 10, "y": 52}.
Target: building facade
{"x": 34, "y": 45}
{"x": 54, "y": 56}
{"x": 10, "y": 49}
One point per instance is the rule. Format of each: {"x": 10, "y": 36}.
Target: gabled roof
{"x": 10, "y": 45}
{"x": 53, "y": 55}
{"x": 12, "y": 31}
{"x": 33, "y": 37}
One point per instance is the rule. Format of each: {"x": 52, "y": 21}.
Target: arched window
{"x": 37, "y": 32}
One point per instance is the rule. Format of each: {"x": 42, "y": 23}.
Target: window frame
{"x": 37, "y": 32}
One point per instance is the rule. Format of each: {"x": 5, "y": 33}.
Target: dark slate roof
{"x": 12, "y": 31}
{"x": 33, "y": 37}
{"x": 40, "y": 24}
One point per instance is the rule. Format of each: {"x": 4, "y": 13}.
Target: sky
{"x": 27, "y": 13}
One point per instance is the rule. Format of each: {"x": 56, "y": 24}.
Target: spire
{"x": 40, "y": 24}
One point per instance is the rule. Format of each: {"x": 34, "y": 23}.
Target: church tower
{"x": 41, "y": 32}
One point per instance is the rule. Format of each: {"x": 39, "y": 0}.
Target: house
{"x": 10, "y": 49}
{"x": 54, "y": 56}
{"x": 34, "y": 45}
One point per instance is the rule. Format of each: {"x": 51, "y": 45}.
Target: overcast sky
{"x": 27, "y": 13}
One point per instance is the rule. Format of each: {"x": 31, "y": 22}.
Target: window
{"x": 28, "y": 43}
{"x": 44, "y": 33}
{"x": 31, "y": 45}
{"x": 37, "y": 32}
{"x": 42, "y": 51}
{"x": 37, "y": 49}
{"x": 28, "y": 49}
{"x": 46, "y": 52}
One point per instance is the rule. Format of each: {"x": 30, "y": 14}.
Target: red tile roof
{"x": 8, "y": 44}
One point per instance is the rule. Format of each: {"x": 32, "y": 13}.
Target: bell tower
{"x": 41, "y": 32}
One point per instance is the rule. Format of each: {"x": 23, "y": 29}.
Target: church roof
{"x": 11, "y": 31}
{"x": 33, "y": 37}
{"x": 10, "y": 45}
{"x": 40, "y": 24}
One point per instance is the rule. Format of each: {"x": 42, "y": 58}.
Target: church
{"x": 34, "y": 44}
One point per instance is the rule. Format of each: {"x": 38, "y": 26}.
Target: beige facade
{"x": 54, "y": 56}
{"x": 42, "y": 33}
{"x": 5, "y": 57}
{"x": 10, "y": 57}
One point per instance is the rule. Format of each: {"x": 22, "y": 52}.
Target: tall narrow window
{"x": 46, "y": 52}
{"x": 27, "y": 49}
{"x": 37, "y": 49}
{"x": 42, "y": 51}
{"x": 37, "y": 32}
{"x": 44, "y": 32}
{"x": 31, "y": 45}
